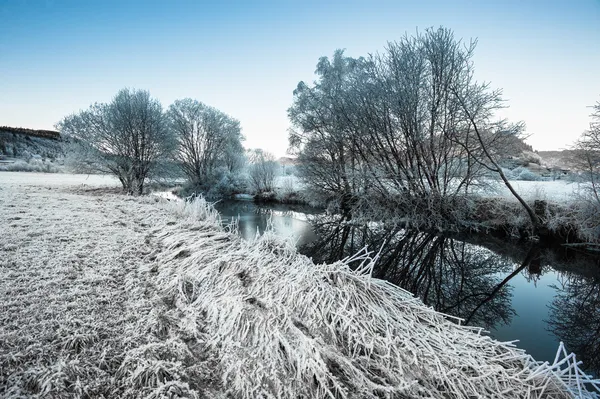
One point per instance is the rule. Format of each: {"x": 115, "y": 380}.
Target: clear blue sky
{"x": 246, "y": 57}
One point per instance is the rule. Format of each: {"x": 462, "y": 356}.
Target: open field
{"x": 557, "y": 190}
{"x": 105, "y": 295}
{"x": 67, "y": 266}
{"x": 56, "y": 180}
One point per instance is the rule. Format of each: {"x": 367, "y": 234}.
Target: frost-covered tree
{"x": 409, "y": 124}
{"x": 588, "y": 152}
{"x": 209, "y": 141}
{"x": 127, "y": 137}
{"x": 587, "y": 159}
{"x": 323, "y": 136}
{"x": 262, "y": 170}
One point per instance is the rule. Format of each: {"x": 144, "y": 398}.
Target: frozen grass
{"x": 67, "y": 316}
{"x": 135, "y": 297}
{"x": 279, "y": 326}
{"x": 558, "y": 190}
{"x": 56, "y": 179}
{"x": 33, "y": 165}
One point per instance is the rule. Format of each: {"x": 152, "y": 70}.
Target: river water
{"x": 538, "y": 296}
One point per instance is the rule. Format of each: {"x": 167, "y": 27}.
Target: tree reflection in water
{"x": 471, "y": 277}
{"x": 575, "y": 318}
{"x": 452, "y": 276}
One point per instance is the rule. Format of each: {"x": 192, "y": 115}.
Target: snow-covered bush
{"x": 32, "y": 165}
{"x": 230, "y": 183}
{"x": 509, "y": 174}
{"x": 522, "y": 173}
{"x": 530, "y": 157}
{"x": 262, "y": 170}
{"x": 287, "y": 184}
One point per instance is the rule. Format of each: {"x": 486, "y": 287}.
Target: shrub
{"x": 522, "y": 173}
{"x": 229, "y": 184}
{"x": 531, "y": 157}
{"x": 33, "y": 165}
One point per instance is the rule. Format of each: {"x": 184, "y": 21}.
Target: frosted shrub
{"x": 32, "y": 165}
{"x": 522, "y": 173}
{"x": 509, "y": 174}
{"x": 228, "y": 184}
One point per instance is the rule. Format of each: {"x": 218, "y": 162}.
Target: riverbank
{"x": 573, "y": 222}
{"x": 111, "y": 295}
{"x": 563, "y": 219}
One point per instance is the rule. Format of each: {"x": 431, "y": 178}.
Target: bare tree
{"x": 127, "y": 137}
{"x": 409, "y": 125}
{"x": 586, "y": 158}
{"x": 262, "y": 170}
{"x": 208, "y": 140}
{"x": 587, "y": 152}
{"x": 323, "y": 137}
{"x": 492, "y": 137}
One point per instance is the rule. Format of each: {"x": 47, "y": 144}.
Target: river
{"x": 538, "y": 296}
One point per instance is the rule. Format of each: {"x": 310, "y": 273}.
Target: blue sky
{"x": 246, "y": 57}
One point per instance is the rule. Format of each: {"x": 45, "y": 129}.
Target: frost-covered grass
{"x": 557, "y": 190}
{"x": 57, "y": 180}
{"x": 134, "y": 297}
{"x": 67, "y": 310}
{"x": 33, "y": 165}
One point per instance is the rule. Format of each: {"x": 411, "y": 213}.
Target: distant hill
{"x": 562, "y": 159}
{"x": 47, "y": 134}
{"x": 287, "y": 161}
{"x": 21, "y": 143}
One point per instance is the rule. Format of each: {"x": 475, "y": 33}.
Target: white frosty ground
{"x": 557, "y": 190}
{"x": 56, "y": 179}
{"x": 106, "y": 295}
{"x": 66, "y": 312}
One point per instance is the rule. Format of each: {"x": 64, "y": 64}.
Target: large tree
{"x": 323, "y": 137}
{"x": 409, "y": 124}
{"x": 127, "y": 137}
{"x": 588, "y": 152}
{"x": 587, "y": 159}
{"x": 209, "y": 140}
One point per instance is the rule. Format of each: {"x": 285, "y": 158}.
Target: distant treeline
{"x": 47, "y": 134}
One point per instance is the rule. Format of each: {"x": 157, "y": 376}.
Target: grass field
{"x": 104, "y": 295}
{"x": 67, "y": 265}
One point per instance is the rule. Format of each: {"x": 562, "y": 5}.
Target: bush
{"x": 530, "y": 157}
{"x": 229, "y": 184}
{"x": 522, "y": 173}
{"x": 33, "y": 165}
{"x": 262, "y": 170}
{"x": 223, "y": 185}
{"x": 509, "y": 174}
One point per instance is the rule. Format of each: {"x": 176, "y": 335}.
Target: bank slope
{"x": 121, "y": 297}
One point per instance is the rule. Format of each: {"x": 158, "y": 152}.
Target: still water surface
{"x": 538, "y": 296}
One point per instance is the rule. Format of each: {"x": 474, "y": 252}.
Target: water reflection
{"x": 539, "y": 296}
{"x": 252, "y": 219}
{"x": 575, "y": 318}
{"x": 452, "y": 276}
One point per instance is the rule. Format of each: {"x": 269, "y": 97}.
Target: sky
{"x": 247, "y": 57}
